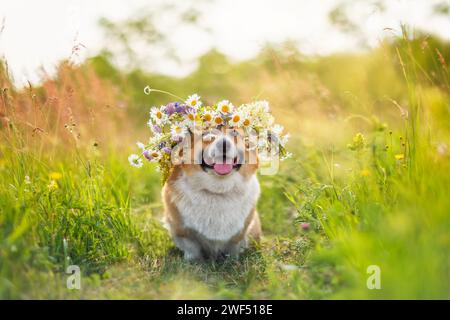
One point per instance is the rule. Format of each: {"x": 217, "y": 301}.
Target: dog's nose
{"x": 223, "y": 145}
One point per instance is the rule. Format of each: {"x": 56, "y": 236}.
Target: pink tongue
{"x": 223, "y": 168}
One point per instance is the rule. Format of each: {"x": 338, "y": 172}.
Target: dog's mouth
{"x": 223, "y": 167}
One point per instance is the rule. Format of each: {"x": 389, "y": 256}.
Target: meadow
{"x": 368, "y": 183}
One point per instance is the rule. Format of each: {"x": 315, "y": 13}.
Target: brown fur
{"x": 252, "y": 225}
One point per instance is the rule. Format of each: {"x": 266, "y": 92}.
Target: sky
{"x": 36, "y": 35}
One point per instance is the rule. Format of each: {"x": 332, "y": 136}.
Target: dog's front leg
{"x": 234, "y": 248}
{"x": 190, "y": 247}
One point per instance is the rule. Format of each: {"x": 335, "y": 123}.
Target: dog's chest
{"x": 216, "y": 216}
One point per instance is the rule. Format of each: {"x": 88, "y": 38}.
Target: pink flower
{"x": 147, "y": 155}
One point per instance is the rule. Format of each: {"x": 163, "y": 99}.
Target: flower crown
{"x": 171, "y": 123}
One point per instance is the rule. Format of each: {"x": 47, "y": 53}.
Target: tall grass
{"x": 62, "y": 203}
{"x": 390, "y": 208}
{"x": 368, "y": 183}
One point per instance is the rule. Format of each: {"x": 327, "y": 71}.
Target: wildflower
{"x": 27, "y": 180}
{"x": 157, "y": 115}
{"x": 365, "y": 173}
{"x": 52, "y": 186}
{"x": 264, "y": 105}
{"x": 146, "y": 154}
{"x": 282, "y": 140}
{"x": 207, "y": 118}
{"x": 135, "y": 160}
{"x": 259, "y": 114}
{"x": 246, "y": 121}
{"x": 177, "y": 132}
{"x": 235, "y": 120}
{"x": 156, "y": 129}
{"x": 183, "y": 118}
{"x": 305, "y": 226}
{"x": 152, "y": 155}
{"x": 140, "y": 145}
{"x": 180, "y": 108}
{"x": 191, "y": 115}
{"x": 218, "y": 120}
{"x": 399, "y": 157}
{"x": 170, "y": 108}
{"x": 225, "y": 107}
{"x": 194, "y": 101}
{"x": 358, "y": 142}
{"x": 55, "y": 175}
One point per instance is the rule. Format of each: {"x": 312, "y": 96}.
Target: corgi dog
{"x": 210, "y": 199}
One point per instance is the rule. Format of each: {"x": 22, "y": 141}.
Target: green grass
{"x": 346, "y": 201}
{"x": 105, "y": 216}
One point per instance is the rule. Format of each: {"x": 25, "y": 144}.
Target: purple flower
{"x": 170, "y": 108}
{"x": 167, "y": 150}
{"x": 180, "y": 108}
{"x": 162, "y": 145}
{"x": 190, "y": 109}
{"x": 157, "y": 129}
{"x": 147, "y": 155}
{"x": 305, "y": 226}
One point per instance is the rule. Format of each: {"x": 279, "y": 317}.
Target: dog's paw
{"x": 192, "y": 257}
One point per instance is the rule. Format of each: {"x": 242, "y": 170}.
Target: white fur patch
{"x": 216, "y": 207}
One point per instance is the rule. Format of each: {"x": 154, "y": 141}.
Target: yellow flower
{"x": 358, "y": 142}
{"x": 194, "y": 101}
{"x": 207, "y": 117}
{"x": 191, "y": 116}
{"x": 365, "y": 173}
{"x": 399, "y": 156}
{"x": 225, "y": 106}
{"x": 55, "y": 175}
{"x": 218, "y": 120}
{"x": 52, "y": 186}
{"x": 236, "y": 120}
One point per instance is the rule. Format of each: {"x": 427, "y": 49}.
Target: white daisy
{"x": 135, "y": 160}
{"x": 191, "y": 115}
{"x": 246, "y": 119}
{"x": 218, "y": 120}
{"x": 194, "y": 101}
{"x": 178, "y": 131}
{"x": 207, "y": 118}
{"x": 152, "y": 155}
{"x": 236, "y": 119}
{"x": 140, "y": 145}
{"x": 225, "y": 107}
{"x": 264, "y": 105}
{"x": 157, "y": 115}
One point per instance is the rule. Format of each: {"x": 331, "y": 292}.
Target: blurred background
{"x": 168, "y": 37}
{"x": 361, "y": 86}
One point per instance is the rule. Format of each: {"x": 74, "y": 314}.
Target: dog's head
{"x": 220, "y": 159}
